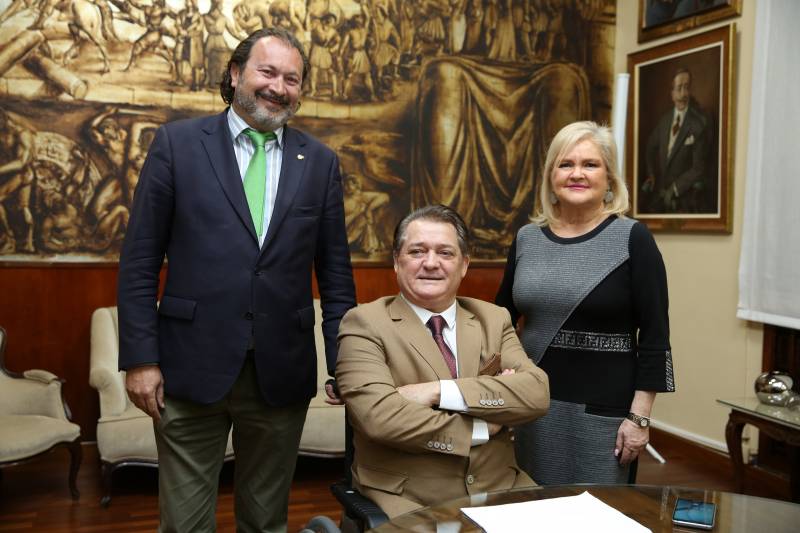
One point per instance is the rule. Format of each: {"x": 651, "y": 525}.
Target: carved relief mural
{"x": 450, "y": 101}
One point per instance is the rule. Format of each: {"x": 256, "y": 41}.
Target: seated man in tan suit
{"x": 430, "y": 406}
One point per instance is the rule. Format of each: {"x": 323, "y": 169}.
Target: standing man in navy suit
{"x": 243, "y": 207}
{"x": 678, "y": 178}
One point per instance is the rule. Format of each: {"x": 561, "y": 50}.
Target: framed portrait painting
{"x": 679, "y": 133}
{"x": 658, "y": 18}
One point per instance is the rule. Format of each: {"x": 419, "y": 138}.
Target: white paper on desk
{"x": 571, "y": 513}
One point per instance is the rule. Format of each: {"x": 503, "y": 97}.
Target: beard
{"x": 265, "y": 120}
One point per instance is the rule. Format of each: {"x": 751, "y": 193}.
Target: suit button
{"x": 258, "y": 272}
{"x": 470, "y": 479}
{"x": 248, "y": 316}
{"x": 482, "y": 402}
{"x": 501, "y": 402}
{"x": 495, "y": 403}
{"x": 449, "y": 447}
{"x": 430, "y": 444}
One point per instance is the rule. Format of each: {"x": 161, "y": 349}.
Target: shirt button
{"x": 470, "y": 479}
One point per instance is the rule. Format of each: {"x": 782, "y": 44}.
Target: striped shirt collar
{"x": 237, "y": 125}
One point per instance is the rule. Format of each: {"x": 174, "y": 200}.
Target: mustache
{"x": 274, "y": 98}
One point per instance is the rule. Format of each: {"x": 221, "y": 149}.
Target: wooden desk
{"x": 780, "y": 423}
{"x": 649, "y": 505}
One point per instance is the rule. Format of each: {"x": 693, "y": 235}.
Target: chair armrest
{"x": 40, "y": 375}
{"x": 33, "y": 396}
{"x": 104, "y": 374}
{"x": 358, "y": 506}
{"x": 111, "y": 389}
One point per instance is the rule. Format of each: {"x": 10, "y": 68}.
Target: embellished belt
{"x": 587, "y": 340}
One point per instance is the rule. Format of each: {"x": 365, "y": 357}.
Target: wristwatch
{"x": 641, "y": 421}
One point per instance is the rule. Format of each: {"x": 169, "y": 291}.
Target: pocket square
{"x": 689, "y": 140}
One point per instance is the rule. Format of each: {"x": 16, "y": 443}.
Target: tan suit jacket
{"x": 408, "y": 455}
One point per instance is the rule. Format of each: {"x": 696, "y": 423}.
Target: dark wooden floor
{"x": 34, "y": 496}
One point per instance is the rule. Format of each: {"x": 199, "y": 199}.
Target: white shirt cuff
{"x": 450, "y": 398}
{"x": 480, "y": 432}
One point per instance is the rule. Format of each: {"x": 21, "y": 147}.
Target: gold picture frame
{"x": 659, "y": 18}
{"x": 680, "y": 174}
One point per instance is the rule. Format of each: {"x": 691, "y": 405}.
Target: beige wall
{"x": 715, "y": 354}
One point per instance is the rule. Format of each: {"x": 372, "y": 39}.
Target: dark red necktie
{"x": 677, "y": 126}
{"x": 436, "y": 324}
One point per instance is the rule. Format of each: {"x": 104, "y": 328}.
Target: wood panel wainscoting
{"x": 46, "y": 310}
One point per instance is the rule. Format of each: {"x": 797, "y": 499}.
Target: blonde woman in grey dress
{"x": 591, "y": 286}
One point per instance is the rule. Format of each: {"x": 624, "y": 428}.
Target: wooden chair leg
{"x": 106, "y": 471}
{"x": 76, "y": 456}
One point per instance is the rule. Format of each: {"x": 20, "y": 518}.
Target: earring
{"x": 609, "y": 196}
{"x": 553, "y": 198}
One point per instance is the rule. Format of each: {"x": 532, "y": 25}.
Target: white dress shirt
{"x": 244, "y": 149}
{"x": 450, "y": 398}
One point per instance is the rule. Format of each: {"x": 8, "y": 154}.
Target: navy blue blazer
{"x": 221, "y": 290}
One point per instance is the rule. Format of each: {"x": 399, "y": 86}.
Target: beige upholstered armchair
{"x": 125, "y": 433}
{"x": 34, "y": 418}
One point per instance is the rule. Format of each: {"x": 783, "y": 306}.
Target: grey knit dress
{"x": 595, "y": 310}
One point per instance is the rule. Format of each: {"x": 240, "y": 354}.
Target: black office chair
{"x": 359, "y": 512}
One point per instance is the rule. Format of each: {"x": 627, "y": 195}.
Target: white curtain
{"x": 769, "y": 267}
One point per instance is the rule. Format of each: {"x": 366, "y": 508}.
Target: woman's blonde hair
{"x": 544, "y": 212}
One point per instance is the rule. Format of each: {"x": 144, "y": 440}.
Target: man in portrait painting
{"x": 678, "y": 168}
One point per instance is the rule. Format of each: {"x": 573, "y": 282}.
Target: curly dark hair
{"x": 242, "y": 53}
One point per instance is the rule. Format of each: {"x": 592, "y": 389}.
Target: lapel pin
{"x": 300, "y": 156}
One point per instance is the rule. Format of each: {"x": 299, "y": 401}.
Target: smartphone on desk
{"x": 694, "y": 513}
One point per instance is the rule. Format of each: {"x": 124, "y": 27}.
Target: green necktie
{"x": 255, "y": 179}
